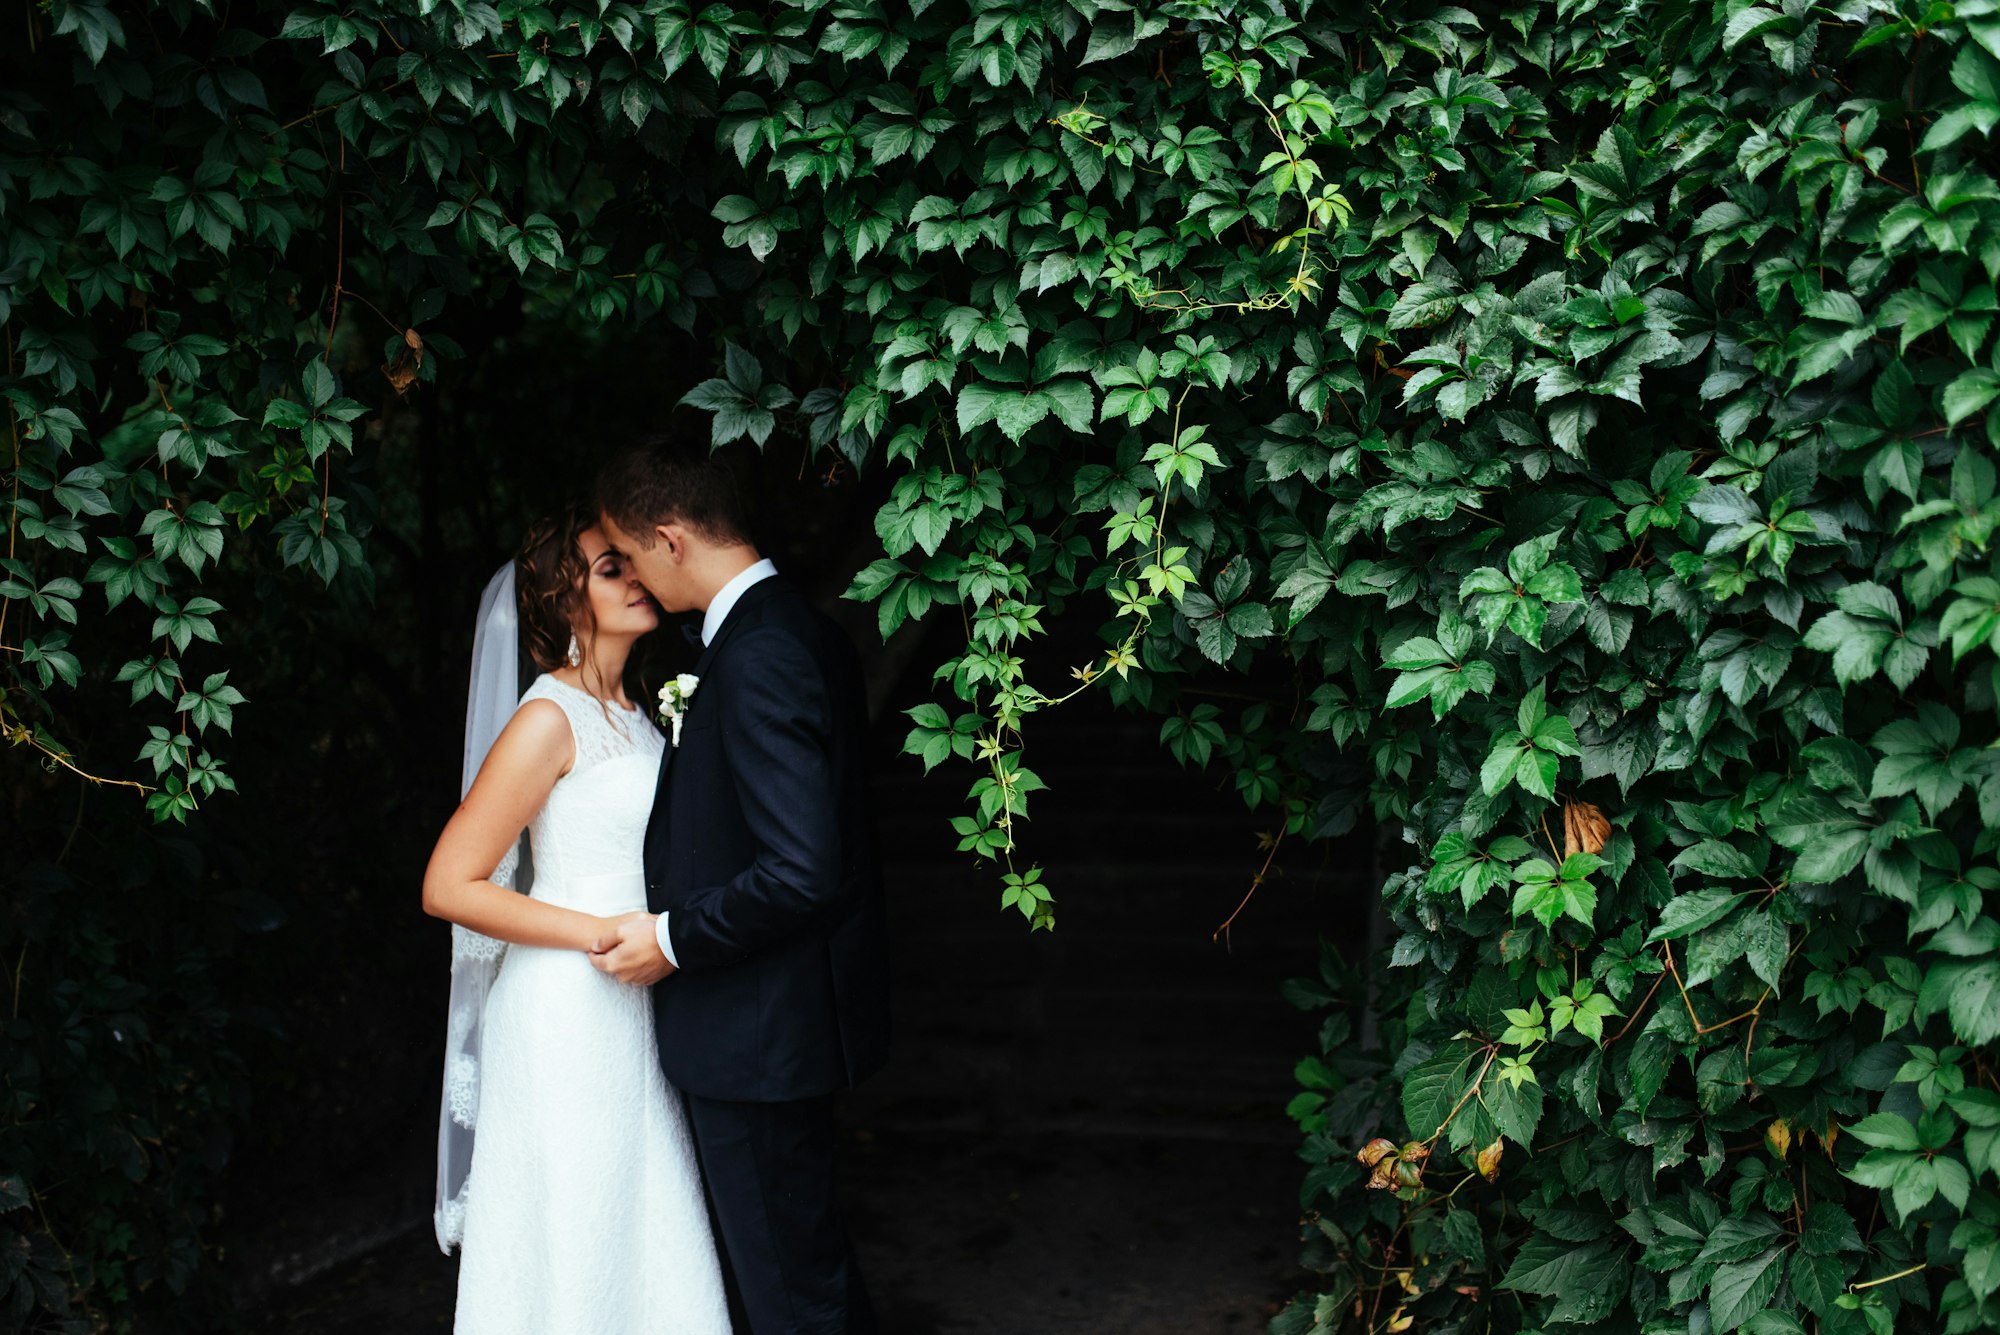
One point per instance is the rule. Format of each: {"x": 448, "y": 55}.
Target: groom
{"x": 765, "y": 947}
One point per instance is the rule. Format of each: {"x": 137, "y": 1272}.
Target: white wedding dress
{"x": 583, "y": 1207}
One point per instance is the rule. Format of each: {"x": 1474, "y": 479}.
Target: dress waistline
{"x": 609, "y": 892}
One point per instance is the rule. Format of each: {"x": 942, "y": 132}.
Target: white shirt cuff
{"x": 666, "y": 944}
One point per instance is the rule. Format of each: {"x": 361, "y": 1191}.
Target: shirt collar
{"x": 726, "y": 596}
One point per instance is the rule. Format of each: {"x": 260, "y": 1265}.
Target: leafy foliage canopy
{"x": 1612, "y": 389}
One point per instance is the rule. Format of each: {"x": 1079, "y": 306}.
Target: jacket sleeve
{"x": 776, "y": 721}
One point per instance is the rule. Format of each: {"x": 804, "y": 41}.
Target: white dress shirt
{"x": 718, "y": 611}
{"x": 726, "y": 597}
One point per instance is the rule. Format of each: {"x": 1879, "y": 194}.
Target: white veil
{"x": 475, "y": 960}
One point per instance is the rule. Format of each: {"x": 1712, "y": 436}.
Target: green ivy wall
{"x": 1589, "y": 408}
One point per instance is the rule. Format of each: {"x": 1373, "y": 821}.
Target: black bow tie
{"x": 692, "y": 630}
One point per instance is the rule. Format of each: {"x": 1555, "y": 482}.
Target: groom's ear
{"x": 671, "y": 536}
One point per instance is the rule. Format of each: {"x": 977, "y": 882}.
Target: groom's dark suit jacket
{"x": 761, "y": 850}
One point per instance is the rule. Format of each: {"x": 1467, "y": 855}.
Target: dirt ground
{"x": 1034, "y": 1234}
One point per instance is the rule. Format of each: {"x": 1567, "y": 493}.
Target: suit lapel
{"x": 750, "y": 598}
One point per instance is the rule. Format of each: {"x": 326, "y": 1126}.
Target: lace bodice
{"x": 594, "y": 823}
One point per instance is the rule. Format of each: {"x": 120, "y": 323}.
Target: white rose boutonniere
{"x": 674, "y": 697}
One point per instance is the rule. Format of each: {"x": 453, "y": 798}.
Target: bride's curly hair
{"x": 550, "y": 578}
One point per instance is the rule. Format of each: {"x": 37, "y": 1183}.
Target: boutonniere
{"x": 674, "y": 697}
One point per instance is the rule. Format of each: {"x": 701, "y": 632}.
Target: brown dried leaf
{"x": 1584, "y": 828}
{"x": 1384, "y": 1176}
{"x": 402, "y": 369}
{"x": 1416, "y": 1151}
{"x": 1376, "y": 1150}
{"x": 1489, "y": 1161}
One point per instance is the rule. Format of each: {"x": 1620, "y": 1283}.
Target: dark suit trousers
{"x": 769, "y": 1170}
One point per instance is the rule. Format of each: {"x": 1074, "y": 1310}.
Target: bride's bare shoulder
{"x": 540, "y": 714}
{"x": 536, "y": 738}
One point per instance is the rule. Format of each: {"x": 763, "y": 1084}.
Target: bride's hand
{"x": 632, "y": 954}
{"x": 607, "y": 930}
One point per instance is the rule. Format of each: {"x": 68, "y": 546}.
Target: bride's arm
{"x": 531, "y": 753}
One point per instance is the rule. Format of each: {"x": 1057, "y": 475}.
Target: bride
{"x": 581, "y": 1209}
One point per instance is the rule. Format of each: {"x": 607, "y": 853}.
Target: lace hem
{"x": 449, "y": 1219}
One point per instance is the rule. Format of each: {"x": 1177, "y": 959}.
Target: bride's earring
{"x": 575, "y": 658}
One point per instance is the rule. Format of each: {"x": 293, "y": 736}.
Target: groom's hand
{"x": 632, "y": 953}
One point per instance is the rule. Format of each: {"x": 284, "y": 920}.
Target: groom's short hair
{"x": 669, "y": 479}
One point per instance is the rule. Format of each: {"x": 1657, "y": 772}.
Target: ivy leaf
{"x": 1530, "y": 755}
{"x": 1186, "y": 457}
{"x": 1974, "y": 618}
{"x": 1828, "y": 839}
{"x": 212, "y": 704}
{"x": 1713, "y": 857}
{"x": 1690, "y": 913}
{"x": 1549, "y": 892}
{"x": 1819, "y": 1281}
{"x": 1422, "y": 305}
{"x": 1970, "y": 992}
{"x": 1866, "y": 636}
{"x": 1829, "y": 1230}
{"x": 1516, "y": 1110}
{"x": 1428, "y": 669}
{"x": 1457, "y": 865}
{"x": 1772, "y": 1321}
{"x": 1886, "y": 1131}
{"x": 1922, "y": 756}
{"x": 50, "y": 657}
{"x": 1589, "y": 1279}
{"x": 1435, "y": 1086}
{"x": 1724, "y": 506}
{"x": 1969, "y": 393}
{"x": 1741, "y": 1289}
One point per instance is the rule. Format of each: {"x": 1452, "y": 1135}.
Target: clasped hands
{"x": 629, "y": 950}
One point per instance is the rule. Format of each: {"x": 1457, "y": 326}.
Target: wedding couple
{"x": 698, "y": 961}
